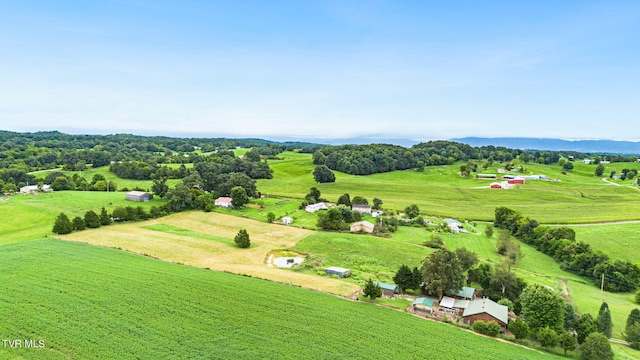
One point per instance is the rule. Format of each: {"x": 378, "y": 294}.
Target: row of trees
{"x": 577, "y": 257}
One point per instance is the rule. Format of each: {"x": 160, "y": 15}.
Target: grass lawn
{"x": 89, "y": 302}
{"x": 578, "y": 197}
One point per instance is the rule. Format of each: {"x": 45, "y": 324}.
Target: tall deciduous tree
{"x": 443, "y": 272}
{"x": 542, "y": 307}
{"x": 599, "y": 170}
{"x": 412, "y": 211}
{"x": 239, "y": 197}
{"x": 377, "y": 203}
{"x": 344, "y": 199}
{"x": 359, "y": 200}
{"x": 242, "y": 239}
{"x": 322, "y": 174}
{"x": 160, "y": 187}
{"x": 178, "y": 198}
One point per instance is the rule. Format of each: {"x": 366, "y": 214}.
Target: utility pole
{"x": 602, "y": 289}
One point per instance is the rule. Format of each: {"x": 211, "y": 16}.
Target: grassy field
{"x": 89, "y": 302}
{"x": 26, "y": 217}
{"x": 578, "y": 197}
{"x": 619, "y": 241}
{"x": 205, "y": 240}
{"x": 121, "y": 183}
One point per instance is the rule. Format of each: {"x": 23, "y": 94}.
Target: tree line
{"x": 574, "y": 256}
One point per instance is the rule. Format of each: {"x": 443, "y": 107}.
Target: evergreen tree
{"x": 372, "y": 290}
{"x": 271, "y": 217}
{"x": 242, "y": 239}
{"x": 596, "y": 347}
{"x": 632, "y": 330}
{"x": 403, "y": 278}
{"x": 105, "y": 219}
{"x": 62, "y": 225}
{"x": 78, "y": 223}
{"x": 91, "y": 219}
{"x": 604, "y": 320}
{"x": 567, "y": 342}
{"x": 416, "y": 278}
{"x": 585, "y": 325}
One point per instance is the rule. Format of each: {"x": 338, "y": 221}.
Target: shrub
{"x": 519, "y": 328}
{"x": 547, "y": 337}
{"x": 487, "y": 328}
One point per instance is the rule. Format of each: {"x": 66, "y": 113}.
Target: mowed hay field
{"x": 205, "y": 240}
{"x": 578, "y": 198}
{"x": 89, "y": 302}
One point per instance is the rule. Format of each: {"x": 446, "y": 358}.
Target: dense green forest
{"x": 378, "y": 158}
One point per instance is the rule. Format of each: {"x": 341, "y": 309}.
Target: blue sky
{"x": 322, "y": 69}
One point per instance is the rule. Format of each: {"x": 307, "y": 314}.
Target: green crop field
{"x": 579, "y": 197}
{"x": 88, "y": 302}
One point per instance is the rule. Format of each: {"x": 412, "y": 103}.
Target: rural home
{"x": 587, "y": 161}
{"x": 341, "y": 272}
{"x": 287, "y": 220}
{"x": 362, "y": 209}
{"x": 423, "y": 304}
{"x": 486, "y": 310}
{"x": 140, "y": 196}
{"x": 363, "y": 226}
{"x": 388, "y": 289}
{"x": 454, "y": 225}
{"x": 451, "y": 305}
{"x": 315, "y": 207}
{"x": 224, "y": 202}
{"x": 34, "y": 188}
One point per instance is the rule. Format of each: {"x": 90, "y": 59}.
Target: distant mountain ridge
{"x": 587, "y": 146}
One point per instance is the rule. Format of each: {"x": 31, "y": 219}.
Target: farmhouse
{"x": 140, "y": 196}
{"x": 451, "y": 305}
{"x": 315, "y": 207}
{"x": 287, "y": 220}
{"x": 362, "y": 209}
{"x": 454, "y": 225}
{"x": 34, "y": 188}
{"x": 341, "y": 272}
{"x": 587, "y": 161}
{"x": 364, "y": 226}
{"x": 486, "y": 310}
{"x": 224, "y": 202}
{"x": 388, "y": 289}
{"x": 423, "y": 304}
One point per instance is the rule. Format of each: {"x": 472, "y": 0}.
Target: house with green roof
{"x": 467, "y": 293}
{"x": 388, "y": 289}
{"x": 486, "y": 310}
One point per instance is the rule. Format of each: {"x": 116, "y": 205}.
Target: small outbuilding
{"x": 224, "y": 202}
{"x": 341, "y": 272}
{"x": 516, "y": 181}
{"x": 423, "y": 304}
{"x": 467, "y": 293}
{"x": 287, "y": 220}
{"x": 362, "y": 209}
{"x": 140, "y": 196}
{"x": 315, "y": 207}
{"x": 388, "y": 289}
{"x": 496, "y": 185}
{"x": 363, "y": 226}
{"x": 29, "y": 189}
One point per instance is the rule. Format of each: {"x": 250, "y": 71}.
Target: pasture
{"x": 579, "y": 197}
{"x": 89, "y": 302}
{"x": 619, "y": 241}
{"x": 27, "y": 217}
